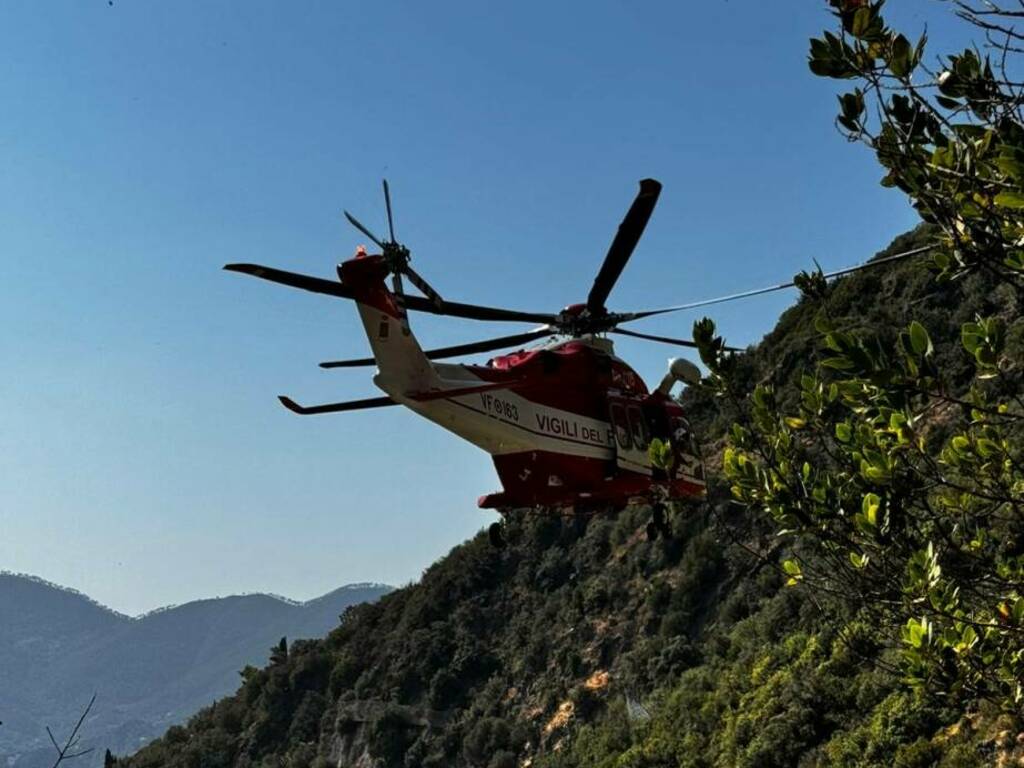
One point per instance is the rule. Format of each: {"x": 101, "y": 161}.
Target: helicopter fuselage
{"x": 567, "y": 424}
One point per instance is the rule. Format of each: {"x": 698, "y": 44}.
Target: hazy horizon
{"x": 201, "y": 598}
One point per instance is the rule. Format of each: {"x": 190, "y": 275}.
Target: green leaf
{"x": 861, "y": 21}
{"x": 848, "y": 123}
{"x": 869, "y": 506}
{"x": 839, "y": 363}
{"x": 901, "y": 56}
{"x": 985, "y": 356}
{"x": 852, "y": 104}
{"x": 793, "y": 570}
{"x": 843, "y": 432}
{"x": 913, "y": 634}
{"x": 919, "y": 339}
{"x": 1018, "y": 610}
{"x": 821, "y": 67}
{"x": 1010, "y": 165}
{"x": 858, "y": 561}
{"x": 987, "y": 448}
{"x": 660, "y": 454}
{"x": 1008, "y": 199}
{"x": 971, "y": 336}
{"x": 968, "y": 639}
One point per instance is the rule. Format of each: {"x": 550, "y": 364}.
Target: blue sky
{"x": 143, "y": 456}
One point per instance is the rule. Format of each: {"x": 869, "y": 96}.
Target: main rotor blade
{"x": 459, "y": 349}
{"x": 415, "y": 303}
{"x": 350, "y": 405}
{"x": 355, "y": 223}
{"x": 665, "y": 339}
{"x": 628, "y": 235}
{"x": 477, "y": 312}
{"x": 628, "y": 317}
{"x": 649, "y": 337}
{"x": 294, "y": 279}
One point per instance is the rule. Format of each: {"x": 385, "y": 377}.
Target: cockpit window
{"x": 638, "y": 427}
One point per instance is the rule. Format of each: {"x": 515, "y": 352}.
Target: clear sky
{"x": 144, "y": 458}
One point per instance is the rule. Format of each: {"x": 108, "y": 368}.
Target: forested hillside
{"x": 582, "y": 643}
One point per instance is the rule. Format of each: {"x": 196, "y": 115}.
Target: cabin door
{"x": 632, "y": 436}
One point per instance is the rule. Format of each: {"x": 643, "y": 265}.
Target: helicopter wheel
{"x": 659, "y": 525}
{"x": 652, "y": 531}
{"x": 496, "y": 536}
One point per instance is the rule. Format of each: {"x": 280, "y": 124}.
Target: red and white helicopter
{"x": 568, "y": 423}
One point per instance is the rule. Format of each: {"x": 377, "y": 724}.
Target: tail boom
{"x": 402, "y": 366}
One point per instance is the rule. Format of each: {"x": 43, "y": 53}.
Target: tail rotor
{"x": 397, "y": 256}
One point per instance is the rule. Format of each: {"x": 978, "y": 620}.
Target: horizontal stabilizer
{"x": 350, "y": 405}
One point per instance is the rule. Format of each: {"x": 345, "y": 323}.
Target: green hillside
{"x": 584, "y": 644}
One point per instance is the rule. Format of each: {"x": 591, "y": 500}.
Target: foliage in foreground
{"x": 807, "y": 679}
{"x": 901, "y": 480}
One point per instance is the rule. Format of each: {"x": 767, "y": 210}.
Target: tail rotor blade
{"x": 387, "y": 204}
{"x": 355, "y": 223}
{"x": 423, "y": 285}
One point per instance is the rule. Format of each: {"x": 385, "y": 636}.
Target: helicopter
{"x": 568, "y": 424}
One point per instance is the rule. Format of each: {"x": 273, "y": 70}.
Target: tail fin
{"x": 402, "y": 366}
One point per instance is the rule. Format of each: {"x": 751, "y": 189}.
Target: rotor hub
{"x": 397, "y": 256}
{"x": 579, "y": 319}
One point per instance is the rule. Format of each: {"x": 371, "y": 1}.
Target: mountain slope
{"x": 584, "y": 644}
{"x": 58, "y": 648}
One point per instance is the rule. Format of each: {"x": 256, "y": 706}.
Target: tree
{"x": 279, "y": 652}
{"x": 71, "y": 748}
{"x": 949, "y": 133}
{"x": 900, "y": 487}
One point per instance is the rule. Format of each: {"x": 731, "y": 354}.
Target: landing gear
{"x": 652, "y": 531}
{"x": 496, "y": 536}
{"x": 658, "y": 526}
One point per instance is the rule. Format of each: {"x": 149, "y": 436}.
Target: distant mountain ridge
{"x": 30, "y": 578}
{"x": 33, "y": 579}
{"x": 59, "y": 646}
